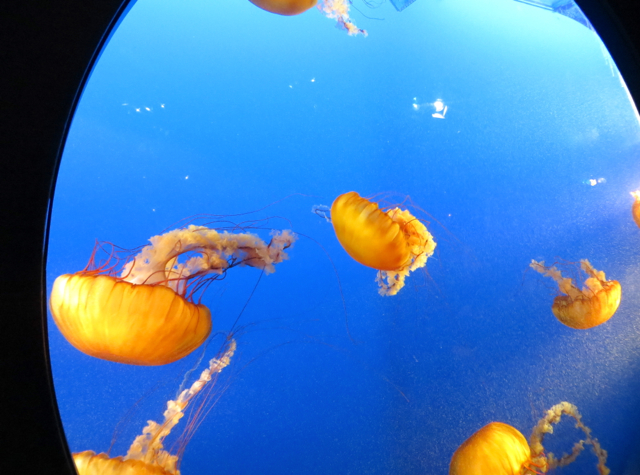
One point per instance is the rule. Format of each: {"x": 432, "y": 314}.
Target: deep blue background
{"x": 259, "y": 108}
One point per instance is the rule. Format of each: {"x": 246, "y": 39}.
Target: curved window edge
{"x": 49, "y": 49}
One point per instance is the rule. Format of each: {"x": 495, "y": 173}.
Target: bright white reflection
{"x": 439, "y": 107}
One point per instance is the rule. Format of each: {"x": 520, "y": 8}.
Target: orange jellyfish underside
{"x": 90, "y": 463}
{"x": 587, "y": 308}
{"x": 394, "y": 242}
{"x": 115, "y": 320}
{"x": 635, "y": 208}
{"x": 285, "y": 7}
{"x": 146, "y": 314}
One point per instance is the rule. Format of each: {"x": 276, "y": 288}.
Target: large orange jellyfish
{"x": 587, "y": 308}
{"x": 500, "y": 449}
{"x": 393, "y": 241}
{"x": 285, "y": 7}
{"x": 635, "y": 208}
{"x": 147, "y": 455}
{"x": 146, "y": 315}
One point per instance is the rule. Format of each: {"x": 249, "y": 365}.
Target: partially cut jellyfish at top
{"x": 337, "y": 10}
{"x": 393, "y": 241}
{"x": 500, "y": 449}
{"x": 587, "y": 308}
{"x": 147, "y": 455}
{"x": 285, "y": 7}
{"x": 146, "y": 315}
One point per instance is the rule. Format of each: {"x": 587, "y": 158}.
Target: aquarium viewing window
{"x": 349, "y": 237}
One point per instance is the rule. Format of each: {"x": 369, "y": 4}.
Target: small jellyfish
{"x": 147, "y": 454}
{"x": 635, "y": 208}
{"x": 140, "y": 309}
{"x": 500, "y": 449}
{"x": 587, "y": 308}
{"x": 339, "y": 11}
{"x": 392, "y": 241}
{"x": 284, "y": 7}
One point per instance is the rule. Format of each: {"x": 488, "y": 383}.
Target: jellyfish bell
{"x": 109, "y": 318}
{"x": 635, "y": 208}
{"x": 284, "y": 7}
{"x": 147, "y": 454}
{"x": 91, "y": 463}
{"x": 140, "y": 309}
{"x": 587, "y": 308}
{"x": 496, "y": 449}
{"x": 392, "y": 241}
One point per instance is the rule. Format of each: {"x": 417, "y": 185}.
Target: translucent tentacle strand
{"x": 545, "y": 426}
{"x": 148, "y": 447}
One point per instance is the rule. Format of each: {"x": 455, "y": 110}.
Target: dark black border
{"x": 46, "y": 49}
{"x": 618, "y": 24}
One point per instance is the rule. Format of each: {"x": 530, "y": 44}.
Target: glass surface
{"x": 507, "y": 125}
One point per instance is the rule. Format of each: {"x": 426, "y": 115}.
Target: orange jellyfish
{"x": 393, "y": 241}
{"x": 495, "y": 449}
{"x": 147, "y": 455}
{"x": 635, "y": 208}
{"x": 587, "y": 308}
{"x": 146, "y": 315}
{"x": 500, "y": 449}
{"x": 284, "y": 7}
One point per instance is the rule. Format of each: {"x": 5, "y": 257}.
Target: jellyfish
{"x": 284, "y": 7}
{"x": 635, "y": 208}
{"x": 147, "y": 455}
{"x": 496, "y": 449}
{"x": 587, "y": 308}
{"x": 393, "y": 241}
{"x": 500, "y": 449}
{"x": 339, "y": 11}
{"x": 147, "y": 315}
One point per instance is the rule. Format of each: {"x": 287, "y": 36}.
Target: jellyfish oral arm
{"x": 148, "y": 447}
{"x": 147, "y": 455}
{"x": 545, "y": 426}
{"x": 158, "y": 263}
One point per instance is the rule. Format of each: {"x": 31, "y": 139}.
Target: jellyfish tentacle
{"x": 339, "y": 11}
{"x": 148, "y": 447}
{"x": 147, "y": 455}
{"x": 545, "y": 426}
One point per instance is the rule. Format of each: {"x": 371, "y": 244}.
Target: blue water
{"x": 248, "y": 109}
